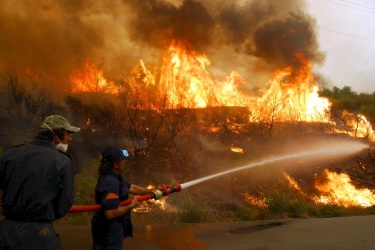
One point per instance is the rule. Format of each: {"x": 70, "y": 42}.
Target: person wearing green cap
{"x": 37, "y": 183}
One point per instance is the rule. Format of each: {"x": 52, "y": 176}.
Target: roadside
{"x": 327, "y": 233}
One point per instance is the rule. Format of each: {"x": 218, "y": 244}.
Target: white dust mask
{"x": 60, "y": 146}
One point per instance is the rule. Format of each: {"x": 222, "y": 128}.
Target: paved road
{"x": 355, "y": 233}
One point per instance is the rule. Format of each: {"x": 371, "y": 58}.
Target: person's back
{"x": 37, "y": 186}
{"x": 32, "y": 181}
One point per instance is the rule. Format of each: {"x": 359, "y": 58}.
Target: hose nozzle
{"x": 170, "y": 189}
{"x": 166, "y": 190}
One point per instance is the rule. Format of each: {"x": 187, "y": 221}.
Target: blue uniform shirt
{"x": 110, "y": 190}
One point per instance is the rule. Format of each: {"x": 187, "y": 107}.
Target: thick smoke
{"x": 53, "y": 39}
{"x": 158, "y": 23}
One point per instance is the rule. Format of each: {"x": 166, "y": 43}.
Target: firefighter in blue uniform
{"x": 112, "y": 223}
{"x": 37, "y": 186}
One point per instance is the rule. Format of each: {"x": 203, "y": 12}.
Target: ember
{"x": 237, "y": 150}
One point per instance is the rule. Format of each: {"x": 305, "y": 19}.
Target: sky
{"x": 346, "y": 34}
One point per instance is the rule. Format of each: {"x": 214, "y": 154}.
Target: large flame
{"x": 336, "y": 190}
{"x": 188, "y": 84}
{"x": 292, "y": 98}
{"x": 184, "y": 81}
{"x": 340, "y": 191}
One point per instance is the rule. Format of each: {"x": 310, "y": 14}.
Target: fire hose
{"x": 165, "y": 190}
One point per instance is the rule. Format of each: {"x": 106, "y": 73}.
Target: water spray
{"x": 327, "y": 151}
{"x": 340, "y": 149}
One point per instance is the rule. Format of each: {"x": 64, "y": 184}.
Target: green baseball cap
{"x": 57, "y": 122}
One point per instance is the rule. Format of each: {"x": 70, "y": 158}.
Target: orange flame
{"x": 293, "y": 182}
{"x": 292, "y": 98}
{"x": 184, "y": 81}
{"x": 340, "y": 191}
{"x": 188, "y": 84}
{"x": 150, "y": 205}
{"x": 357, "y": 126}
{"x": 91, "y": 79}
{"x": 254, "y": 201}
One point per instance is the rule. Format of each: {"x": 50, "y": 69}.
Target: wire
{"x": 334, "y": 31}
{"x": 369, "y": 40}
{"x": 364, "y": 6}
{"x": 350, "y": 7}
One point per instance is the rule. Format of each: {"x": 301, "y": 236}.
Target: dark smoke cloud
{"x": 273, "y": 31}
{"x": 54, "y": 38}
{"x": 157, "y": 23}
{"x": 278, "y": 41}
{"x": 240, "y": 21}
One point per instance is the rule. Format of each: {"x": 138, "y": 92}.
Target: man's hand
{"x": 134, "y": 202}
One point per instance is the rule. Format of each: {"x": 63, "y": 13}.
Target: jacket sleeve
{"x": 65, "y": 196}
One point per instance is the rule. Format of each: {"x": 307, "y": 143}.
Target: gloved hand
{"x": 158, "y": 194}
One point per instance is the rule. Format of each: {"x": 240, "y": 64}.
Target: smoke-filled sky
{"x": 53, "y": 39}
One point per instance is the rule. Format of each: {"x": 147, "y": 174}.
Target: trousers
{"x": 19, "y": 235}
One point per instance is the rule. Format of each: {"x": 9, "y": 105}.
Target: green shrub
{"x": 242, "y": 213}
{"x": 190, "y": 212}
{"x": 277, "y": 204}
{"x": 248, "y": 213}
{"x": 298, "y": 209}
{"x": 84, "y": 184}
{"x": 282, "y": 205}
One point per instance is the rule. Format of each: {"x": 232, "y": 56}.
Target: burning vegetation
{"x": 339, "y": 190}
{"x": 191, "y": 88}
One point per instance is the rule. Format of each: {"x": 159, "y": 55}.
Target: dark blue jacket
{"x": 37, "y": 181}
{"x": 110, "y": 190}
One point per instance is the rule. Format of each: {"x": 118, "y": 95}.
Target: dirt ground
{"x": 329, "y": 233}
